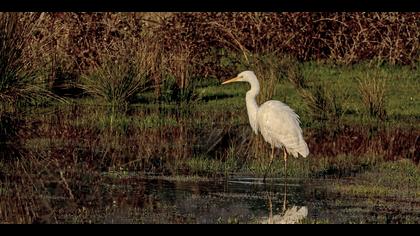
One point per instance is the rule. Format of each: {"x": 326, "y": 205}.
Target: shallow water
{"x": 237, "y": 200}
{"x": 128, "y": 197}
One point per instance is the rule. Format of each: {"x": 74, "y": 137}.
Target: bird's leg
{"x": 270, "y": 209}
{"x": 271, "y": 161}
{"x": 285, "y": 179}
{"x": 285, "y": 163}
{"x": 272, "y": 154}
{"x": 285, "y": 195}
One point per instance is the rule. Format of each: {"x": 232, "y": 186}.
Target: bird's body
{"x": 279, "y": 125}
{"x": 277, "y": 122}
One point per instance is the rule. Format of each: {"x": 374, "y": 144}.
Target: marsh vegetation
{"x": 120, "y": 117}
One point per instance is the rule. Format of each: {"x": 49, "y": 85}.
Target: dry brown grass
{"x": 341, "y": 37}
{"x": 19, "y": 78}
{"x": 68, "y": 45}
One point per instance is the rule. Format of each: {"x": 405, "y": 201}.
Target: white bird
{"x": 277, "y": 122}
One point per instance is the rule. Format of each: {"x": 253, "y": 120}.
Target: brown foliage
{"x": 74, "y": 42}
{"x": 341, "y": 37}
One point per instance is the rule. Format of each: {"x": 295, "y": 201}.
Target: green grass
{"x": 228, "y": 101}
{"x": 335, "y": 167}
{"x": 402, "y": 97}
{"x": 206, "y": 166}
{"x": 96, "y": 126}
{"x": 399, "y": 179}
{"x": 223, "y": 107}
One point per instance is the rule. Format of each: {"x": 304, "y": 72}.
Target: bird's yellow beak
{"x": 231, "y": 80}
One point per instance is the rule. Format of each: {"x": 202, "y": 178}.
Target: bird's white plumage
{"x": 277, "y": 122}
{"x": 279, "y": 125}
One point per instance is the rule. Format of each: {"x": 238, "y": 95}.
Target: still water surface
{"x": 236, "y": 200}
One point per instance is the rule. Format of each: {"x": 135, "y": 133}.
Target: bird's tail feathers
{"x": 304, "y": 150}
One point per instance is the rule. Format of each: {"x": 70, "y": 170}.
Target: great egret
{"x": 277, "y": 122}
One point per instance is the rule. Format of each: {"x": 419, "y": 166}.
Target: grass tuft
{"x": 373, "y": 93}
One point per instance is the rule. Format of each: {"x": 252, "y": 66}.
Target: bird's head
{"x": 246, "y": 76}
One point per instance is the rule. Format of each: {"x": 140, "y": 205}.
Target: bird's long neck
{"x": 251, "y": 104}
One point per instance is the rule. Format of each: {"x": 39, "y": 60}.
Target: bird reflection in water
{"x": 289, "y": 215}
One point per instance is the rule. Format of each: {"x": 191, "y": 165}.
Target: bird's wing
{"x": 279, "y": 125}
